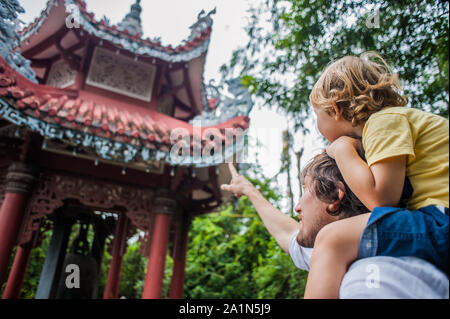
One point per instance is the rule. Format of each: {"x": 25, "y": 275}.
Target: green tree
{"x": 232, "y": 255}
{"x": 291, "y": 42}
{"x": 133, "y": 272}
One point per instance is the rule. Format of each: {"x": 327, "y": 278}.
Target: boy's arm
{"x": 381, "y": 184}
{"x": 280, "y": 226}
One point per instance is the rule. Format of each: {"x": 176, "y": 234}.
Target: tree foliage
{"x": 232, "y": 255}
{"x": 291, "y": 42}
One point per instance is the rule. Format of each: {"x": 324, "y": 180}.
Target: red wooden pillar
{"x": 19, "y": 181}
{"x": 17, "y": 274}
{"x": 179, "y": 259}
{"x": 164, "y": 208}
{"x": 115, "y": 269}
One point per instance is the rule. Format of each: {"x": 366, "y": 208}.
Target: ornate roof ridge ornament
{"x": 203, "y": 23}
{"x": 10, "y": 39}
{"x": 132, "y": 21}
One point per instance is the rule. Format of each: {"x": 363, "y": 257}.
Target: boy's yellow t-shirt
{"x": 424, "y": 137}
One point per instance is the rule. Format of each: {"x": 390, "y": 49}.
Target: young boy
{"x": 357, "y": 98}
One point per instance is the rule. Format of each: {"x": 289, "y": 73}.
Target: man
{"x": 326, "y": 198}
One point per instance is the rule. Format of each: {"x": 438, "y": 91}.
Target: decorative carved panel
{"x": 121, "y": 74}
{"x": 61, "y": 75}
{"x": 54, "y": 188}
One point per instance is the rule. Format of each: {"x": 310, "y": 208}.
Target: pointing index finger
{"x": 233, "y": 171}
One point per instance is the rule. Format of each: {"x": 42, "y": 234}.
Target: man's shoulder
{"x": 300, "y": 255}
{"x": 391, "y": 277}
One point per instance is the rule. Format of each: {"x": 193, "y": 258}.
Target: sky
{"x": 170, "y": 20}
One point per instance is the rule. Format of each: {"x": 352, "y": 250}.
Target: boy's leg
{"x": 335, "y": 248}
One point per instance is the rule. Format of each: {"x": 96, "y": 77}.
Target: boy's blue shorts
{"x": 398, "y": 232}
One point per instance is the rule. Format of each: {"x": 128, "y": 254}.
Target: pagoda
{"x": 105, "y": 131}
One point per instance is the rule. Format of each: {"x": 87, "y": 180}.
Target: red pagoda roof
{"x": 198, "y": 40}
{"x": 70, "y": 109}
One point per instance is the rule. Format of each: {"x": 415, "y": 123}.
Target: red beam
{"x": 176, "y": 67}
{"x": 169, "y": 80}
{"x": 44, "y": 63}
{"x": 189, "y": 91}
{"x": 71, "y": 59}
{"x": 86, "y": 61}
{"x": 104, "y": 171}
{"x": 187, "y": 85}
{"x": 160, "y": 76}
{"x": 46, "y": 43}
{"x": 181, "y": 105}
{"x": 80, "y": 77}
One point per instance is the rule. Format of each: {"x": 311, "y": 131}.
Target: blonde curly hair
{"x": 359, "y": 86}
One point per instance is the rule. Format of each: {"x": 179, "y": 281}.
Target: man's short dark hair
{"x": 325, "y": 176}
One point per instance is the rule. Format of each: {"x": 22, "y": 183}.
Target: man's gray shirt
{"x": 383, "y": 277}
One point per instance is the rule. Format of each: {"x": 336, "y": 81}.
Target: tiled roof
{"x": 134, "y": 43}
{"x": 65, "y": 108}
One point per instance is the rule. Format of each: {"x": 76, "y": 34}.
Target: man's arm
{"x": 380, "y": 184}
{"x": 280, "y": 226}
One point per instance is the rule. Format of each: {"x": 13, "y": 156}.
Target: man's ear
{"x": 341, "y": 190}
{"x": 341, "y": 193}
{"x": 337, "y": 111}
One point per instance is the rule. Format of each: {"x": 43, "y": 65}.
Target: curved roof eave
{"x": 196, "y": 44}
{"x": 112, "y": 132}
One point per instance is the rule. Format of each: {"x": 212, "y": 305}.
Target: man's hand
{"x": 239, "y": 185}
{"x": 344, "y": 142}
{"x": 279, "y": 225}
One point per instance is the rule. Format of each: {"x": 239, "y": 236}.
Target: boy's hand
{"x": 239, "y": 185}
{"x": 344, "y": 142}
